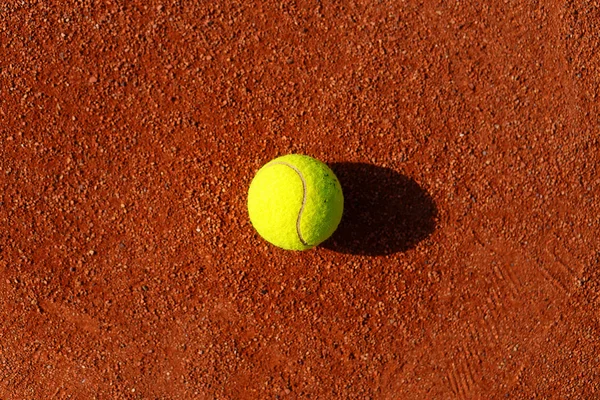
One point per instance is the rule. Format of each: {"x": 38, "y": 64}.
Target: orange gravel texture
{"x": 465, "y": 135}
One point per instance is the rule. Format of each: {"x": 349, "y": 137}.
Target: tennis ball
{"x": 295, "y": 202}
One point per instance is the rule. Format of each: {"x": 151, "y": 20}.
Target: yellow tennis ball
{"x": 295, "y": 202}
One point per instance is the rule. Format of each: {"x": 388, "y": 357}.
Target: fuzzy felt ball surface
{"x": 295, "y": 202}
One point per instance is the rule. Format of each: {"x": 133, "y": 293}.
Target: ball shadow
{"x": 384, "y": 212}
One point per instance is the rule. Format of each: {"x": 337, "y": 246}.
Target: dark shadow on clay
{"x": 384, "y": 212}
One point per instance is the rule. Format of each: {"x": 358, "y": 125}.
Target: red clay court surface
{"x": 465, "y": 135}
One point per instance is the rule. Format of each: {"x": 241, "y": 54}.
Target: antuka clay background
{"x": 466, "y": 136}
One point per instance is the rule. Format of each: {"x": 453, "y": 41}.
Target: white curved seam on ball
{"x": 298, "y": 231}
